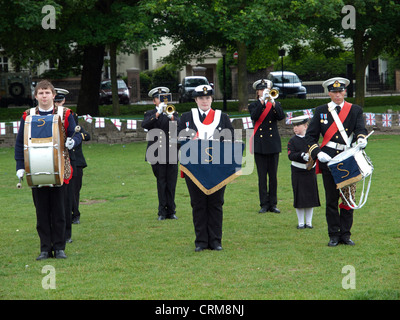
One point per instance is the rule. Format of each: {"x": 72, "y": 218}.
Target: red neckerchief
{"x": 333, "y": 129}
{"x": 260, "y": 120}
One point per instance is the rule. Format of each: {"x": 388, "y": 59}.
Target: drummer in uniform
{"x": 49, "y": 201}
{"x": 206, "y": 209}
{"x": 347, "y": 131}
{"x": 165, "y": 171}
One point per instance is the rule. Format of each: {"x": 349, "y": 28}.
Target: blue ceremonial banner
{"x": 211, "y": 164}
{"x": 345, "y": 172}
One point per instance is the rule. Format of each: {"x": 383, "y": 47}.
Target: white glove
{"x": 20, "y": 173}
{"x": 70, "y": 143}
{"x": 265, "y": 94}
{"x": 160, "y": 108}
{"x": 323, "y": 157}
{"x": 170, "y": 115}
{"x": 362, "y": 143}
{"x": 305, "y": 156}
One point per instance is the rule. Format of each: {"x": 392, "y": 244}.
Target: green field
{"x": 121, "y": 251}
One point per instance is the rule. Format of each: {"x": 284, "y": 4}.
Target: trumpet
{"x": 169, "y": 109}
{"x": 274, "y": 94}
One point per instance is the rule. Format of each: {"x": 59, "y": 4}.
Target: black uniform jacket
{"x": 163, "y": 123}
{"x": 267, "y": 139}
{"x": 354, "y": 123}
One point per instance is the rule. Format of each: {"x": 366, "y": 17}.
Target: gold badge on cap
{"x": 336, "y": 84}
{"x": 205, "y": 91}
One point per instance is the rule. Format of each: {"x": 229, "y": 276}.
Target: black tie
{"x": 203, "y": 116}
{"x": 338, "y": 109}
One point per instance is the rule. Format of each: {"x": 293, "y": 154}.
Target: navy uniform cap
{"x": 336, "y": 84}
{"x": 202, "y": 91}
{"x": 154, "y": 93}
{"x": 60, "y": 94}
{"x": 262, "y": 84}
{"x": 299, "y": 120}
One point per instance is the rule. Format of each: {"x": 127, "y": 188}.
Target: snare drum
{"x": 43, "y": 150}
{"x": 350, "y": 166}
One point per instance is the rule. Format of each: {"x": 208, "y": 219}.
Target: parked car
{"x": 288, "y": 86}
{"x": 106, "y": 93}
{"x": 16, "y": 89}
{"x": 187, "y": 86}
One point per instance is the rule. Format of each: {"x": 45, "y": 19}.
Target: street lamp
{"x": 223, "y": 52}
{"x": 282, "y": 53}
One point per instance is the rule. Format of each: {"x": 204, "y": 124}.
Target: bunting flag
{"x": 131, "y": 124}
{"x": 289, "y": 118}
{"x": 117, "y": 123}
{"x": 247, "y": 123}
{"x": 2, "y": 128}
{"x": 308, "y": 112}
{"x": 386, "y": 120}
{"x": 88, "y": 118}
{"x": 100, "y": 123}
{"x": 16, "y": 126}
{"x": 370, "y": 119}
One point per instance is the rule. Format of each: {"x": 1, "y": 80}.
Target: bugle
{"x": 274, "y": 94}
{"x": 169, "y": 109}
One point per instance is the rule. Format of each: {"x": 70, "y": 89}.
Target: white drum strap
{"x": 332, "y": 110}
{"x": 206, "y": 131}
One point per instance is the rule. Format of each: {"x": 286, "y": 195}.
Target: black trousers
{"x": 167, "y": 175}
{"x": 207, "y": 215}
{"x": 76, "y": 186}
{"x": 50, "y": 217}
{"x": 339, "y": 220}
{"x": 267, "y": 168}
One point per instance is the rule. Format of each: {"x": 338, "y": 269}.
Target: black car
{"x": 289, "y": 85}
{"x": 106, "y": 93}
{"x": 187, "y": 86}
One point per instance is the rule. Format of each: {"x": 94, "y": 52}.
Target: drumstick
{"x": 369, "y": 134}
{"x": 19, "y": 184}
{"x": 77, "y": 129}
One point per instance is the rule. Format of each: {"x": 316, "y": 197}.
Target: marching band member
{"x": 206, "y": 209}
{"x": 165, "y": 171}
{"x": 266, "y": 113}
{"x": 304, "y": 180}
{"x": 49, "y": 201}
{"x": 341, "y": 124}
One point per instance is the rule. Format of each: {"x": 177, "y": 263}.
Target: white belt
{"x": 338, "y": 146}
{"x": 299, "y": 165}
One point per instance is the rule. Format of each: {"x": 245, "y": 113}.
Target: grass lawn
{"x": 121, "y": 251}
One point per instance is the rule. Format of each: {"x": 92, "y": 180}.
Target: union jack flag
{"x": 308, "y": 112}
{"x": 370, "y": 119}
{"x": 289, "y": 117}
{"x": 387, "y": 120}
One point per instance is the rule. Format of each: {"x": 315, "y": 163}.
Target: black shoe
{"x": 308, "y": 226}
{"x": 161, "y": 218}
{"x": 69, "y": 240}
{"x": 300, "y": 227}
{"x": 43, "y": 255}
{"x": 172, "y": 216}
{"x": 263, "y": 209}
{"x": 198, "y": 249}
{"x": 60, "y": 254}
{"x": 274, "y": 209}
{"x": 348, "y": 242}
{"x": 76, "y": 221}
{"x": 217, "y": 248}
{"x": 333, "y": 242}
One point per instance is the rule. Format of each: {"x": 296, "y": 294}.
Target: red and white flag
{"x": 2, "y": 128}
{"x": 386, "y": 120}
{"x": 117, "y": 123}
{"x": 16, "y": 126}
{"x": 289, "y": 117}
{"x": 88, "y": 118}
{"x": 308, "y": 112}
{"x": 370, "y": 119}
{"x": 100, "y": 123}
{"x": 131, "y": 124}
{"x": 247, "y": 123}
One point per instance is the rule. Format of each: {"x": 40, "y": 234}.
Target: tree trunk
{"x": 243, "y": 94}
{"x": 360, "y": 66}
{"x": 88, "y": 100}
{"x": 114, "y": 84}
